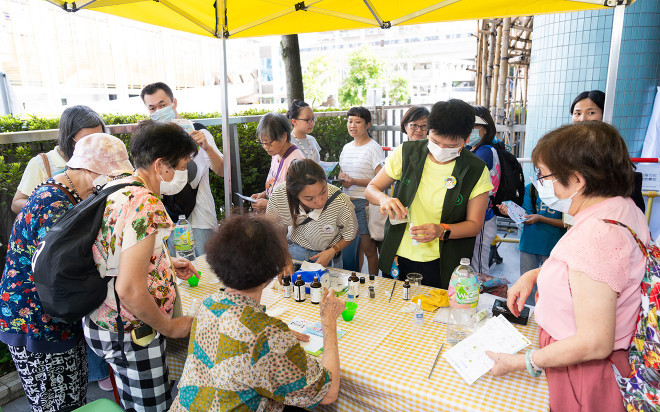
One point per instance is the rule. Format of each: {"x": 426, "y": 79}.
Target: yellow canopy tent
{"x": 226, "y": 19}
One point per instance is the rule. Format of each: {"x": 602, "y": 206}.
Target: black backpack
{"x": 65, "y": 274}
{"x": 512, "y": 181}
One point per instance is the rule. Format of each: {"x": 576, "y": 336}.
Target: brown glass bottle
{"x": 406, "y": 290}
{"x": 299, "y": 294}
{"x": 315, "y": 291}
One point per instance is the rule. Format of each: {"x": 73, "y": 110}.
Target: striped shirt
{"x": 335, "y": 222}
{"x": 360, "y": 162}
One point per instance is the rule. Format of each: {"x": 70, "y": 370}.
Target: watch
{"x": 446, "y": 231}
{"x": 337, "y": 251}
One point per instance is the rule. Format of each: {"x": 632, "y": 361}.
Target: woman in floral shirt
{"x": 50, "y": 356}
{"x": 129, "y": 248}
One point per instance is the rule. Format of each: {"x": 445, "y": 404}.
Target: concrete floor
{"x": 509, "y": 269}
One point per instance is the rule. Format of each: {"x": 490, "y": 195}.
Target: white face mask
{"x": 165, "y": 114}
{"x": 546, "y": 191}
{"x": 99, "y": 182}
{"x": 474, "y": 137}
{"x": 442, "y": 154}
{"x": 175, "y": 185}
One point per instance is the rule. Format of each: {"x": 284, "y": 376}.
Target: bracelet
{"x": 531, "y": 360}
{"x": 528, "y": 364}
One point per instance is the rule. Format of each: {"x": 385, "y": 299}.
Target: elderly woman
{"x": 129, "y": 248}
{"x": 76, "y": 122}
{"x": 589, "y": 288}
{"x": 321, "y": 217}
{"x": 443, "y": 190}
{"x": 244, "y": 359}
{"x": 413, "y": 123}
{"x": 274, "y": 134}
{"x": 38, "y": 344}
{"x": 481, "y": 144}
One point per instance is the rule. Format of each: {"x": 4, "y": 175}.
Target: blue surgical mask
{"x": 474, "y": 137}
{"x": 546, "y": 190}
{"x": 165, "y": 114}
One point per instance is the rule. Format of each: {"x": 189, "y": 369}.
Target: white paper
{"x": 315, "y": 333}
{"x": 469, "y": 357}
{"x": 515, "y": 212}
{"x": 311, "y": 266}
{"x": 249, "y": 199}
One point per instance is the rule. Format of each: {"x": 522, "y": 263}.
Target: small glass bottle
{"x": 406, "y": 290}
{"x": 286, "y": 285}
{"x": 299, "y": 290}
{"x": 315, "y": 291}
{"x": 353, "y": 286}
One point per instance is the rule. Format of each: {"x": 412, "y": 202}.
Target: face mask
{"x": 165, "y": 114}
{"x": 546, "y": 192}
{"x": 474, "y": 137}
{"x": 442, "y": 154}
{"x": 175, "y": 185}
{"x": 99, "y": 182}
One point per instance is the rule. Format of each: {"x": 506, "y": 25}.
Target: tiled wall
{"x": 570, "y": 55}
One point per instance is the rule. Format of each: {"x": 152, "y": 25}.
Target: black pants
{"x": 429, "y": 270}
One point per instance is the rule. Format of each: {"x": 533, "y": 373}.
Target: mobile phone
{"x": 500, "y": 308}
{"x": 143, "y": 335}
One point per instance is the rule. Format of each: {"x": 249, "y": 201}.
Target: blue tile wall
{"x": 570, "y": 55}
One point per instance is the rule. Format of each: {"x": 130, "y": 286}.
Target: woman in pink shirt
{"x": 589, "y": 288}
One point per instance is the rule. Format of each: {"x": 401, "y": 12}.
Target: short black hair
{"x": 596, "y": 96}
{"x": 484, "y": 113}
{"x": 273, "y": 126}
{"x": 154, "y": 87}
{"x": 154, "y": 140}
{"x": 453, "y": 119}
{"x": 247, "y": 251}
{"x": 72, "y": 120}
{"x": 295, "y": 108}
{"x": 414, "y": 113}
{"x": 361, "y": 112}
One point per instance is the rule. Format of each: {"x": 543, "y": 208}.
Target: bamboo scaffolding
{"x": 503, "y": 72}
{"x": 496, "y": 73}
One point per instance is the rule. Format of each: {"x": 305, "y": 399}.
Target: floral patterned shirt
{"x": 132, "y": 214}
{"x": 22, "y": 320}
{"x": 239, "y": 358}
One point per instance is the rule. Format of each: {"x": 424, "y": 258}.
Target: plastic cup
{"x": 194, "y": 280}
{"x": 415, "y": 281}
{"x": 349, "y": 311}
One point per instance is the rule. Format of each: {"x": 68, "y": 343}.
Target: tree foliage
{"x": 318, "y": 77}
{"x": 364, "y": 71}
{"x": 399, "y": 90}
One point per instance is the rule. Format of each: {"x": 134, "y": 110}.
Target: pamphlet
{"x": 515, "y": 212}
{"x": 469, "y": 357}
{"x": 331, "y": 169}
{"x": 249, "y": 199}
{"x": 313, "y": 329}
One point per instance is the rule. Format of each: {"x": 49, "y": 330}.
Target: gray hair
{"x": 74, "y": 119}
{"x": 273, "y": 126}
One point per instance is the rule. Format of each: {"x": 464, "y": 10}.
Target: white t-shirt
{"x": 35, "y": 171}
{"x": 309, "y": 146}
{"x": 360, "y": 162}
{"x": 203, "y": 215}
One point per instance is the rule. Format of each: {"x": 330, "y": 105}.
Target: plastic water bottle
{"x": 418, "y": 316}
{"x": 463, "y": 299}
{"x": 182, "y": 237}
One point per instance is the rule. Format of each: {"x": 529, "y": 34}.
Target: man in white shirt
{"x": 161, "y": 105}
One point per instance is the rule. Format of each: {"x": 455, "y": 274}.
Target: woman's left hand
{"x": 425, "y": 233}
{"x": 325, "y": 257}
{"x": 183, "y": 268}
{"x": 260, "y": 205}
{"x": 505, "y": 363}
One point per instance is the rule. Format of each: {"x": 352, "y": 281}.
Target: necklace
{"x": 73, "y": 187}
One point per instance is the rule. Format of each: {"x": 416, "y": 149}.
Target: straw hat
{"x": 100, "y": 153}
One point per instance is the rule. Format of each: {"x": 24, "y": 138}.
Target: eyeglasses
{"x": 540, "y": 178}
{"x": 309, "y": 121}
{"x": 415, "y": 126}
{"x": 265, "y": 144}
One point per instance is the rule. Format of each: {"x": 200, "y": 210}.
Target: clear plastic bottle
{"x": 463, "y": 299}
{"x": 418, "y": 316}
{"x": 182, "y": 237}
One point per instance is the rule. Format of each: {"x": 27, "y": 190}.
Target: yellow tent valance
{"x": 251, "y": 18}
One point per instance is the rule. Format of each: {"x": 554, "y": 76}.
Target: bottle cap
{"x": 465, "y": 261}
{"x": 182, "y": 217}
{"x": 372, "y": 277}
{"x": 362, "y": 279}
{"x": 405, "y": 282}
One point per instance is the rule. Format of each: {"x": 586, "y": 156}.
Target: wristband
{"x": 531, "y": 360}
{"x": 528, "y": 364}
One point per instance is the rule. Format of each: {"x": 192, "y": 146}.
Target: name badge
{"x": 328, "y": 229}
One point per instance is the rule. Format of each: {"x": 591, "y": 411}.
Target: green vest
{"x": 467, "y": 171}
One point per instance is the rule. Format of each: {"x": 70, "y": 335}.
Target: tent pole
{"x": 226, "y": 133}
{"x": 613, "y": 64}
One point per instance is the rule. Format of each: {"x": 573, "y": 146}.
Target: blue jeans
{"x": 531, "y": 261}
{"x": 361, "y": 214}
{"x": 98, "y": 367}
{"x": 298, "y": 252}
